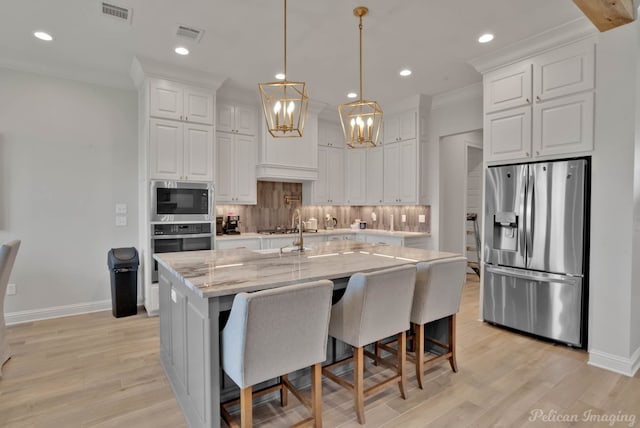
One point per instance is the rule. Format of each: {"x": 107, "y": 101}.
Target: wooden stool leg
{"x": 316, "y": 395}
{"x": 402, "y": 357}
{"x": 246, "y": 412}
{"x": 358, "y": 382}
{"x": 419, "y": 349}
{"x": 284, "y": 392}
{"x": 378, "y": 353}
{"x": 452, "y": 343}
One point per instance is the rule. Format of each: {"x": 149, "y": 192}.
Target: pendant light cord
{"x": 360, "y": 27}
{"x": 285, "y": 40}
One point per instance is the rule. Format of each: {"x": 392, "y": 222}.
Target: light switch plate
{"x": 121, "y": 208}
{"x": 121, "y": 220}
{"x": 422, "y": 218}
{"x": 11, "y": 290}
{"x": 403, "y": 218}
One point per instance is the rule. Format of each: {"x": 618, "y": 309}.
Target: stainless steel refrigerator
{"x": 535, "y": 248}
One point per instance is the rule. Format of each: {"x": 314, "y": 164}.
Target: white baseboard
{"x": 615, "y": 363}
{"x": 58, "y": 311}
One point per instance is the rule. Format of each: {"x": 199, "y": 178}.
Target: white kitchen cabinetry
{"x": 374, "y": 179}
{"x": 401, "y": 173}
{"x": 541, "y": 106}
{"x": 328, "y": 189}
{"x": 400, "y": 127}
{"x": 236, "y": 119}
{"x": 330, "y": 135}
{"x": 180, "y": 151}
{"x": 355, "y": 176}
{"x": 236, "y": 172}
{"x": 172, "y": 100}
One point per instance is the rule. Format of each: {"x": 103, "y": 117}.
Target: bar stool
{"x": 272, "y": 333}
{"x": 8, "y": 254}
{"x": 438, "y": 293}
{"x": 374, "y": 306}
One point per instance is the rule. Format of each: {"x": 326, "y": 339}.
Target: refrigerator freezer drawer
{"x": 541, "y": 304}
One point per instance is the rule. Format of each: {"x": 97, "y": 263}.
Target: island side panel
{"x": 189, "y": 350}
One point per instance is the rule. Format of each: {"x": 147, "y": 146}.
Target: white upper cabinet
{"x": 399, "y": 127}
{"x": 355, "y": 176}
{"x": 542, "y": 106}
{"x": 172, "y": 100}
{"x": 180, "y": 151}
{"x": 330, "y": 135}
{"x": 236, "y": 119}
{"x": 508, "y": 87}
{"x": 374, "y": 176}
{"x": 236, "y": 172}
{"x": 400, "y": 173}
{"x": 328, "y": 189}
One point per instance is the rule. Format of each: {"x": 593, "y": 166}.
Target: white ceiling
{"x": 243, "y": 40}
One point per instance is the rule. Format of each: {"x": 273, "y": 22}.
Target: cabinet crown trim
{"x": 568, "y": 33}
{"x": 143, "y": 68}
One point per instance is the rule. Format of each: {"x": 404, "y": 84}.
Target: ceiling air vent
{"x": 189, "y": 33}
{"x": 117, "y": 12}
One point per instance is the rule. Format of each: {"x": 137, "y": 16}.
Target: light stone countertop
{"x": 225, "y": 272}
{"x": 324, "y": 232}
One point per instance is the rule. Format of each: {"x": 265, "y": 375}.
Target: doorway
{"x": 460, "y": 192}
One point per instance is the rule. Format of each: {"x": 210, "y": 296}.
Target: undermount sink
{"x": 290, "y": 249}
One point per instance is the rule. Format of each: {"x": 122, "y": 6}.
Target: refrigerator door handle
{"x": 530, "y": 212}
{"x": 521, "y": 223}
{"x": 532, "y": 276}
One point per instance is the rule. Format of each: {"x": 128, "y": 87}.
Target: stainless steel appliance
{"x": 535, "y": 248}
{"x": 176, "y": 201}
{"x": 170, "y": 238}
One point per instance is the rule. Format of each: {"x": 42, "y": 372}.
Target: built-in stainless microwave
{"x": 181, "y": 201}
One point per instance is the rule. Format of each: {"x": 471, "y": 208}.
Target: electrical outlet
{"x": 403, "y": 218}
{"x": 121, "y": 220}
{"x": 121, "y": 208}
{"x": 422, "y": 218}
{"x": 11, "y": 290}
{"x": 373, "y": 216}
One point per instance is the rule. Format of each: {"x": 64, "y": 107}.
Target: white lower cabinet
{"x": 180, "y": 151}
{"x": 236, "y": 168}
{"x": 227, "y": 244}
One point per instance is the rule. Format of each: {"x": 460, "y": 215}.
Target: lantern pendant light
{"x": 284, "y": 103}
{"x": 361, "y": 120}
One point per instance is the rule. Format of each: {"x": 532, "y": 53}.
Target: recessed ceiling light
{"x": 352, "y": 95}
{"x": 406, "y": 72}
{"x": 485, "y": 38}
{"x": 43, "y": 36}
{"x": 182, "y": 51}
{"x": 280, "y": 76}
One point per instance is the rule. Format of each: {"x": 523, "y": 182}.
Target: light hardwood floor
{"x": 98, "y": 371}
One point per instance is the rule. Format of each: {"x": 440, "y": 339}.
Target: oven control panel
{"x": 181, "y": 229}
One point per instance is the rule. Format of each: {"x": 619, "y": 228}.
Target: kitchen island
{"x": 197, "y": 287}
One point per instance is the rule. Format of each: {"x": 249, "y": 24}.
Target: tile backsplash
{"x": 272, "y": 211}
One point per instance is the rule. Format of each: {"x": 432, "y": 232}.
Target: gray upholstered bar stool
{"x": 272, "y": 333}
{"x": 8, "y": 254}
{"x": 438, "y": 292}
{"x": 374, "y": 306}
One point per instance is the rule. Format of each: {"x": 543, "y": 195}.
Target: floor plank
{"x": 97, "y": 371}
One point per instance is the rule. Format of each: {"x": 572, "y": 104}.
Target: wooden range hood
{"x": 607, "y": 14}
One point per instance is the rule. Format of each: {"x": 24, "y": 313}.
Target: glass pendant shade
{"x": 284, "y": 103}
{"x": 285, "y": 107}
{"x": 361, "y": 120}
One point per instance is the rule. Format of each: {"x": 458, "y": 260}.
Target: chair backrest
{"x": 274, "y": 332}
{"x": 376, "y": 305}
{"x": 8, "y": 254}
{"x": 438, "y": 289}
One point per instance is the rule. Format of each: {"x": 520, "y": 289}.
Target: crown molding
{"x": 575, "y": 30}
{"x": 142, "y": 68}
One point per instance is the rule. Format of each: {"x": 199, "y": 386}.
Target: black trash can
{"x": 123, "y": 264}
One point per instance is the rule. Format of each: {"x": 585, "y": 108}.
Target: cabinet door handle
{"x": 527, "y": 100}
{"x": 537, "y": 153}
{"x": 186, "y": 118}
{"x": 538, "y": 98}
{"x": 527, "y": 154}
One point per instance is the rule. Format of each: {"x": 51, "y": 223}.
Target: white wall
{"x": 453, "y": 192}
{"x": 68, "y": 153}
{"x": 612, "y": 282}
{"x": 452, "y": 113}
{"x": 635, "y": 278}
